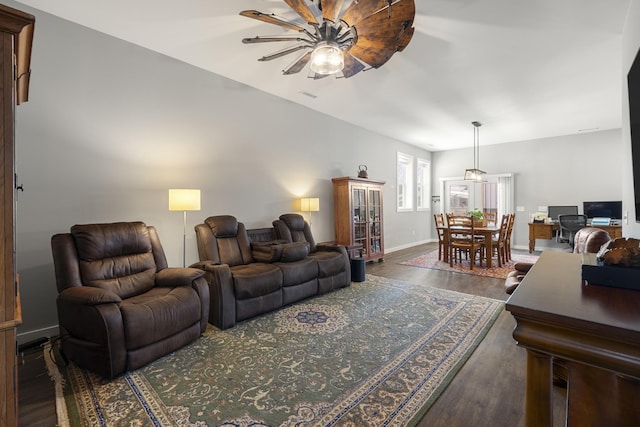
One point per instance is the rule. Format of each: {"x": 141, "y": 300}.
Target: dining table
{"x": 486, "y": 231}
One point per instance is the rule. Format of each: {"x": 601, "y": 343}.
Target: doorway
{"x": 495, "y": 195}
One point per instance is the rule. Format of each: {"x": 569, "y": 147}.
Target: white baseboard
{"x": 408, "y": 245}
{"x": 28, "y": 336}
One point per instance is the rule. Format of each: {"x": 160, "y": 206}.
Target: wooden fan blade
{"x": 351, "y": 65}
{"x": 251, "y": 40}
{"x": 405, "y": 38}
{"x": 303, "y": 10}
{"x": 282, "y": 53}
{"x": 264, "y": 17}
{"x": 331, "y": 9}
{"x": 381, "y": 35}
{"x": 297, "y": 66}
{"x": 382, "y": 26}
{"x": 317, "y": 76}
{"x": 373, "y": 56}
{"x": 362, "y": 9}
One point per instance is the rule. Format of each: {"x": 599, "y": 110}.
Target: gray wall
{"x": 565, "y": 170}
{"x": 630, "y": 46}
{"x": 110, "y": 127}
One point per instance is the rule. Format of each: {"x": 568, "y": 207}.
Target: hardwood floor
{"x": 488, "y": 391}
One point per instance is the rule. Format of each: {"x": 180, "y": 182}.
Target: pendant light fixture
{"x": 475, "y": 174}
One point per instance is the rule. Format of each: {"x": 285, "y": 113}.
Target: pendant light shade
{"x": 475, "y": 174}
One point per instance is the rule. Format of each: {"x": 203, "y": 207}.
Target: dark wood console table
{"x": 594, "y": 329}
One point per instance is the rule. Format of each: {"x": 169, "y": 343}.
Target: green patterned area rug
{"x": 376, "y": 353}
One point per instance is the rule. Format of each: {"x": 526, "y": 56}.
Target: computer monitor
{"x": 554, "y": 211}
{"x": 611, "y": 210}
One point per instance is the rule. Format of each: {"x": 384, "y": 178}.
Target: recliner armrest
{"x": 329, "y": 246}
{"x": 266, "y": 251}
{"x": 87, "y": 295}
{"x": 204, "y": 265}
{"x": 177, "y": 276}
{"x": 222, "y": 312}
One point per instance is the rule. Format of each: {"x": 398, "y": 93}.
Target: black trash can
{"x": 357, "y": 269}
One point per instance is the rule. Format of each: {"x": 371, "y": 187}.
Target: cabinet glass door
{"x": 375, "y": 221}
{"x": 359, "y": 215}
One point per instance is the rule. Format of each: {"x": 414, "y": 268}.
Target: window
{"x": 423, "y": 182}
{"x": 405, "y": 182}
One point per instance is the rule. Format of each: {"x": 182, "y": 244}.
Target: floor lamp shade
{"x": 309, "y": 204}
{"x": 184, "y": 200}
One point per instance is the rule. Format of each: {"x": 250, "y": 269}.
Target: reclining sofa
{"x": 251, "y": 272}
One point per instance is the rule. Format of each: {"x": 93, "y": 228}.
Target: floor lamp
{"x": 310, "y": 204}
{"x": 184, "y": 200}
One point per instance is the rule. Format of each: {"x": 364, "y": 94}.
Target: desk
{"x": 615, "y": 231}
{"x": 541, "y": 230}
{"x": 594, "y": 329}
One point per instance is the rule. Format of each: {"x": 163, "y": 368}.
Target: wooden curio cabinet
{"x": 16, "y": 33}
{"x": 358, "y": 215}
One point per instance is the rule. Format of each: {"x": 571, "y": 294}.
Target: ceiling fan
{"x": 344, "y": 36}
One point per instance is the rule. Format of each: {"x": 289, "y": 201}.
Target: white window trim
{"x": 408, "y": 161}
{"x": 426, "y": 193}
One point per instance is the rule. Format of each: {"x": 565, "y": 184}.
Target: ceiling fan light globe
{"x": 327, "y": 58}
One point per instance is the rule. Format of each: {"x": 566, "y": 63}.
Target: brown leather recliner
{"x": 119, "y": 305}
{"x": 333, "y": 261}
{"x": 589, "y": 240}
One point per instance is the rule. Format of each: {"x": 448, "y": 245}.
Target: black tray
{"x": 596, "y": 273}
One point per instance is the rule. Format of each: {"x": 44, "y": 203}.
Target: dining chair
{"x": 512, "y": 220}
{"x": 462, "y": 239}
{"x": 498, "y": 243}
{"x": 440, "y": 229}
{"x": 490, "y": 217}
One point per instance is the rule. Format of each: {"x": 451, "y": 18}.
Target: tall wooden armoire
{"x": 357, "y": 205}
{"x": 16, "y": 30}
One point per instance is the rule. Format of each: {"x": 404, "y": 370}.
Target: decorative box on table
{"x": 594, "y": 272}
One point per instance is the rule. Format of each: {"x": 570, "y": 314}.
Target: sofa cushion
{"x": 223, "y": 225}
{"x": 159, "y": 313}
{"x": 512, "y": 281}
{"x": 279, "y": 251}
{"x": 523, "y": 267}
{"x": 255, "y": 279}
{"x": 295, "y": 273}
{"x": 116, "y": 257}
{"x": 329, "y": 263}
{"x": 294, "y": 222}
{"x": 294, "y": 251}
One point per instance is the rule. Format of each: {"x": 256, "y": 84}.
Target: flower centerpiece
{"x": 478, "y": 216}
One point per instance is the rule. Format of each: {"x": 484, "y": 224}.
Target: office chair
{"x": 569, "y": 225}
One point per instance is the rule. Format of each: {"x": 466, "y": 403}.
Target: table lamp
{"x": 184, "y": 200}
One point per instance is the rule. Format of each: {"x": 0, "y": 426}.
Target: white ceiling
{"x": 526, "y": 69}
